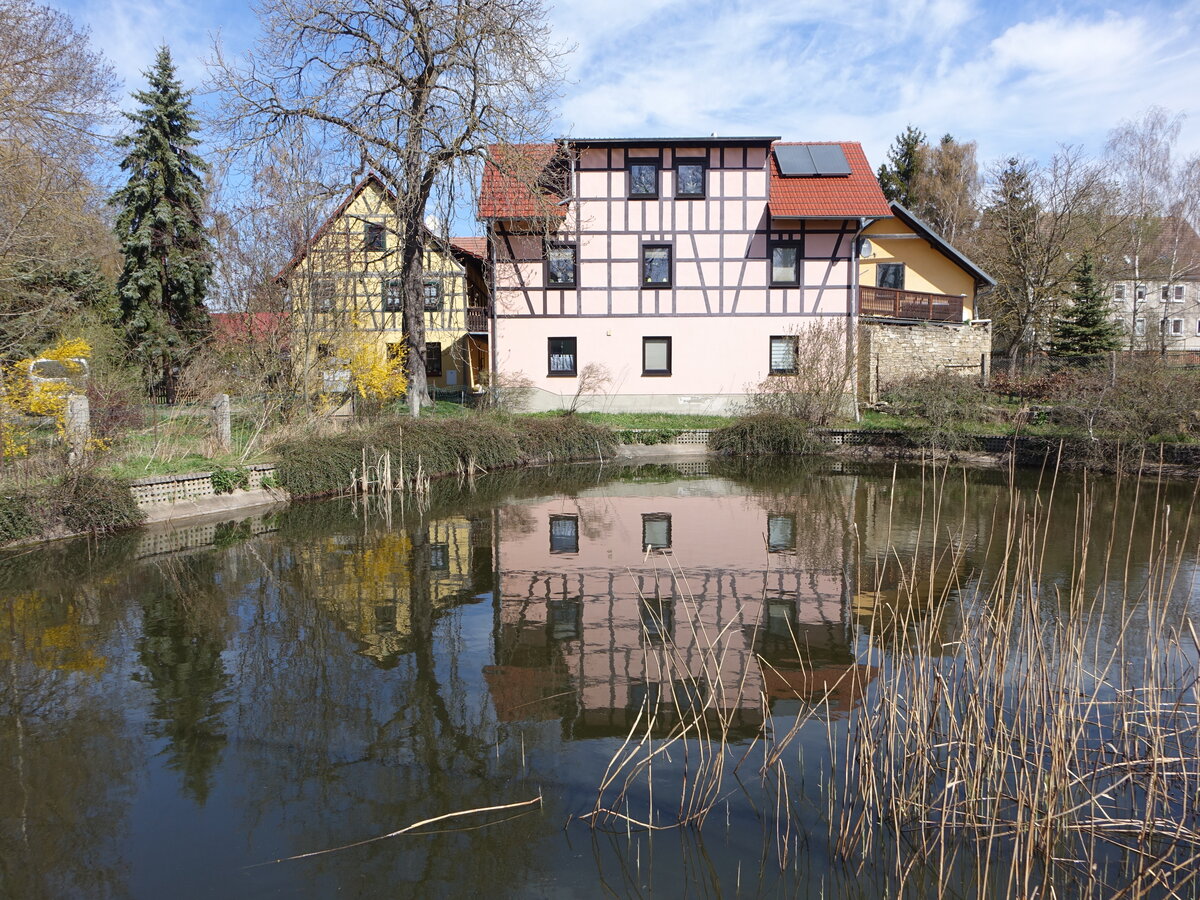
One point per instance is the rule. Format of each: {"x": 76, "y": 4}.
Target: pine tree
{"x": 1086, "y": 328}
{"x": 160, "y": 227}
{"x": 906, "y": 158}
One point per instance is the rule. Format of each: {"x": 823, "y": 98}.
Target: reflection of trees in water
{"x": 185, "y": 628}
{"x": 357, "y": 748}
{"x": 66, "y": 753}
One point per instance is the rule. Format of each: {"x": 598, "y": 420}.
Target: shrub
{"x": 945, "y": 404}
{"x": 226, "y": 481}
{"x": 765, "y": 433}
{"x": 78, "y": 504}
{"x": 818, "y": 387}
{"x": 1149, "y": 401}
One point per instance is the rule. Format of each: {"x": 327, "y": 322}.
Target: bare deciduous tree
{"x": 413, "y": 90}
{"x": 1039, "y": 222}
{"x": 55, "y": 91}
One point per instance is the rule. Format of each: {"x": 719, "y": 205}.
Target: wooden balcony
{"x": 888, "y": 303}
{"x": 477, "y": 319}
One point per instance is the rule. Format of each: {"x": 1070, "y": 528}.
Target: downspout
{"x": 489, "y": 225}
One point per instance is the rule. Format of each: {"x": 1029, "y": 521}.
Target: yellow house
{"x": 346, "y": 282}
{"x": 908, "y": 271}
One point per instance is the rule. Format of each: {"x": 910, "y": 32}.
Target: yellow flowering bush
{"x": 25, "y": 395}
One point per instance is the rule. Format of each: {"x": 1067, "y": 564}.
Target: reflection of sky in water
{"x": 178, "y": 705}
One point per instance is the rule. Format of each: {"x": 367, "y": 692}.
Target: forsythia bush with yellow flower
{"x": 22, "y": 395}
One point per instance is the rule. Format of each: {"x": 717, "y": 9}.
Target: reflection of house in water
{"x": 626, "y": 595}
{"x": 371, "y": 582}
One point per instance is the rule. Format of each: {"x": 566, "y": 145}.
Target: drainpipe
{"x": 489, "y": 225}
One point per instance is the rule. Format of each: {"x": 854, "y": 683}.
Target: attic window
{"x": 374, "y": 237}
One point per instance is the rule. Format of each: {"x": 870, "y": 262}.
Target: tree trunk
{"x": 412, "y": 270}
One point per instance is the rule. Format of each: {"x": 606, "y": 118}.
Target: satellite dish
{"x": 865, "y": 249}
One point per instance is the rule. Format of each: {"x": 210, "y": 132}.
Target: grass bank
{"x": 411, "y": 449}
{"x": 73, "y": 504}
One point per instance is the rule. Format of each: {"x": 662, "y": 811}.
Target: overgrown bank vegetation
{"x": 75, "y": 504}
{"x": 412, "y": 450}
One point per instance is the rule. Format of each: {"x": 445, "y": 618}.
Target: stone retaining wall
{"x": 192, "y": 486}
{"x": 889, "y": 352}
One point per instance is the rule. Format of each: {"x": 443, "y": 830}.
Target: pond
{"x": 698, "y": 679}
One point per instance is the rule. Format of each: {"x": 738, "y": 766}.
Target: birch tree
{"x": 413, "y": 90}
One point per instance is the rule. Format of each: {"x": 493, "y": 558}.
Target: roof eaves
{"x": 941, "y": 244}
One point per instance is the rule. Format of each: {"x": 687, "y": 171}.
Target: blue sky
{"x": 1018, "y": 77}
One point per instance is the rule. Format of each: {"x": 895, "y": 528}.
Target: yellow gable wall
{"x": 925, "y": 269}
{"x": 356, "y": 278}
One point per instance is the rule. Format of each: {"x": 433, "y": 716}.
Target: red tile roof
{"x": 828, "y": 196}
{"x": 242, "y": 327}
{"x": 472, "y": 246}
{"x": 514, "y": 179}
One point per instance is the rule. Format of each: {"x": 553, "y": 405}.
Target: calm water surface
{"x": 179, "y": 707}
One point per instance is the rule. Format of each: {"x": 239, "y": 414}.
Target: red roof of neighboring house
{"x": 472, "y": 246}
{"x": 236, "y": 327}
{"x": 828, "y": 196}
{"x": 514, "y": 183}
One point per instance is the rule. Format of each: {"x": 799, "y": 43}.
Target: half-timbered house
{"x": 683, "y": 271}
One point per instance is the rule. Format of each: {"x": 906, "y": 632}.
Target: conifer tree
{"x": 160, "y": 227}
{"x": 1085, "y": 328}
{"x": 906, "y": 159}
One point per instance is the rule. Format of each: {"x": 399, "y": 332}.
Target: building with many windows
{"x": 677, "y": 274}
{"x": 1160, "y": 310}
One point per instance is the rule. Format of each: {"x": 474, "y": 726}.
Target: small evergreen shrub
{"x": 226, "y": 481}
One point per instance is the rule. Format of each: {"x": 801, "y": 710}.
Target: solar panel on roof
{"x": 794, "y": 160}
{"x": 828, "y": 159}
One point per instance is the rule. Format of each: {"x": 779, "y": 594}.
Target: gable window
{"x": 564, "y": 534}
{"x": 656, "y": 265}
{"x": 890, "y": 275}
{"x": 783, "y": 354}
{"x": 785, "y": 264}
{"x": 1118, "y": 291}
{"x": 656, "y": 531}
{"x": 689, "y": 178}
{"x": 562, "y": 358}
{"x": 431, "y": 293}
{"x": 393, "y": 296}
{"x": 643, "y": 179}
{"x": 656, "y": 356}
{"x": 561, "y": 260}
{"x": 374, "y": 237}
{"x": 433, "y": 359}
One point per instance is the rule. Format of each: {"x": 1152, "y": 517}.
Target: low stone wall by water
{"x": 192, "y": 486}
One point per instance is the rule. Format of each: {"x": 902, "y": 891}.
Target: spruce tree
{"x": 906, "y": 158}
{"x": 160, "y": 227}
{"x": 1086, "y": 328}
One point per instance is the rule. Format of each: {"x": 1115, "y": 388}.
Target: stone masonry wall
{"x": 889, "y": 352}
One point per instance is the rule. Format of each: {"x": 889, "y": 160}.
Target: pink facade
{"x": 586, "y": 613}
{"x": 665, "y": 270}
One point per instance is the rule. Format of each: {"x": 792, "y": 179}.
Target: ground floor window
{"x": 562, "y": 358}
{"x": 656, "y": 356}
{"x": 783, "y": 354}
{"x": 1139, "y": 326}
{"x": 433, "y": 359}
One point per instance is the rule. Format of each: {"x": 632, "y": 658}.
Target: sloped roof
{"x": 472, "y": 246}
{"x": 942, "y": 245}
{"x": 827, "y": 196}
{"x": 514, "y": 178}
{"x": 354, "y": 194}
{"x": 239, "y": 327}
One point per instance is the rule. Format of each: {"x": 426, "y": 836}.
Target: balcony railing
{"x": 889, "y": 303}
{"x": 477, "y": 319}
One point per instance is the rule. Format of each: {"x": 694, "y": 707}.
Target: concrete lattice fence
{"x": 193, "y": 486}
